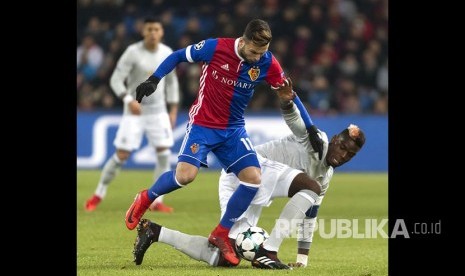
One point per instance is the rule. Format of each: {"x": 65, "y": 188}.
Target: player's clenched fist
{"x": 146, "y": 88}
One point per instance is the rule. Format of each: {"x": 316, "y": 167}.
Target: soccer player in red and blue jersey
{"x": 232, "y": 68}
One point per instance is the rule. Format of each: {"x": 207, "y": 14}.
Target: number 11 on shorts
{"x": 247, "y": 143}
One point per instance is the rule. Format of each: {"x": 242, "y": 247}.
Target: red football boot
{"x": 92, "y": 203}
{"x": 161, "y": 207}
{"x": 219, "y": 238}
{"x": 137, "y": 210}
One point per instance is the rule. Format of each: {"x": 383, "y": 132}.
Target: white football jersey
{"x": 135, "y": 65}
{"x": 296, "y": 151}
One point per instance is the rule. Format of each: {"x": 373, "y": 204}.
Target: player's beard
{"x": 242, "y": 54}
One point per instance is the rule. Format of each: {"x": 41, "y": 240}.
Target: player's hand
{"x": 134, "y": 107}
{"x": 315, "y": 140}
{"x": 284, "y": 91}
{"x": 146, "y": 88}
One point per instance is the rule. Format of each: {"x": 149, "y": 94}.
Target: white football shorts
{"x": 157, "y": 129}
{"x": 276, "y": 180}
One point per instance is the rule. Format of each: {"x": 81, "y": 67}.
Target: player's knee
{"x": 185, "y": 179}
{"x": 163, "y": 151}
{"x": 303, "y": 182}
{"x": 123, "y": 155}
{"x": 186, "y": 174}
{"x": 250, "y": 175}
{"x": 251, "y": 179}
{"x": 315, "y": 187}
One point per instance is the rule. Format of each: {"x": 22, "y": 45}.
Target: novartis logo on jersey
{"x": 228, "y": 81}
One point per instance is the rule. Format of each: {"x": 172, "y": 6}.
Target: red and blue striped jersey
{"x": 227, "y": 82}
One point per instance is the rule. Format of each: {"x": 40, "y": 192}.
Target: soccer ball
{"x": 249, "y": 241}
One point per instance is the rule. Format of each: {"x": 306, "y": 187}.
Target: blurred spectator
{"x": 89, "y": 57}
{"x": 349, "y": 66}
{"x": 170, "y": 32}
{"x": 193, "y": 29}
{"x": 319, "y": 95}
{"x": 382, "y": 78}
{"x": 369, "y": 69}
{"x": 381, "y": 105}
{"x": 347, "y": 9}
{"x": 346, "y": 99}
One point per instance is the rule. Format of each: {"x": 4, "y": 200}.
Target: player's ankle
{"x": 156, "y": 229}
{"x": 220, "y": 229}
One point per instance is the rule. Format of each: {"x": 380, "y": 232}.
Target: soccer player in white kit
{"x": 288, "y": 166}
{"x": 150, "y": 117}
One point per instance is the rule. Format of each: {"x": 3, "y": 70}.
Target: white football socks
{"x": 294, "y": 209}
{"x": 110, "y": 170}
{"x": 195, "y": 247}
{"x": 163, "y": 165}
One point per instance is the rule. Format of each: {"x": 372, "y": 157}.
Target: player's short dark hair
{"x": 258, "y": 31}
{"x": 358, "y": 135}
{"x": 152, "y": 19}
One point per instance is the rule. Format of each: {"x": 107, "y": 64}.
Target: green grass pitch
{"x": 104, "y": 244}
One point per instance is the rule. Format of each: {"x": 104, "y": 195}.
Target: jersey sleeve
{"x": 303, "y": 112}
{"x": 202, "y": 51}
{"x": 275, "y": 76}
{"x": 121, "y": 72}
{"x": 295, "y": 122}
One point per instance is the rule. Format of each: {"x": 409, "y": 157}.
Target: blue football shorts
{"x": 232, "y": 147}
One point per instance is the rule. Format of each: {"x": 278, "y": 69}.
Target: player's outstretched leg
{"x": 219, "y": 238}
{"x": 237, "y": 205}
{"x": 147, "y": 233}
{"x": 267, "y": 260}
{"x": 137, "y": 210}
{"x": 110, "y": 170}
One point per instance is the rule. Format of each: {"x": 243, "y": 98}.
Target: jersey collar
{"x": 236, "y": 43}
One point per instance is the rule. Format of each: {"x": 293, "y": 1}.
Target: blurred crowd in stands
{"x": 336, "y": 51}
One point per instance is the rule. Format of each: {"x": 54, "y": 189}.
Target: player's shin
{"x": 163, "y": 163}
{"x": 294, "y": 209}
{"x": 166, "y": 183}
{"x": 110, "y": 170}
{"x": 305, "y": 232}
{"x": 196, "y": 247}
{"x": 238, "y": 203}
